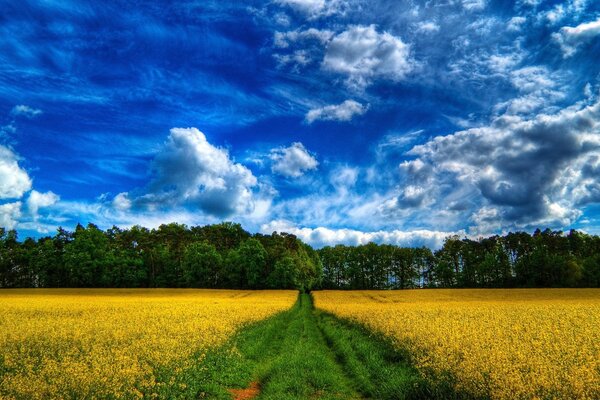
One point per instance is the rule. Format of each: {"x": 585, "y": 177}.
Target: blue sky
{"x": 342, "y": 121}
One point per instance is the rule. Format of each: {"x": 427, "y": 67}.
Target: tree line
{"x": 226, "y": 256}
{"x": 173, "y": 255}
{"x": 545, "y": 259}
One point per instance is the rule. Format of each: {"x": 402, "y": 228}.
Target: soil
{"x": 246, "y": 394}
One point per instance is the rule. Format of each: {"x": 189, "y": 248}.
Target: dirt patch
{"x": 246, "y": 394}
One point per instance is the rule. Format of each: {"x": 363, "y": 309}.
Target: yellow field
{"x": 110, "y": 343}
{"x": 502, "y": 344}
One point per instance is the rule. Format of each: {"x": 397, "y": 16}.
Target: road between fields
{"x": 307, "y": 354}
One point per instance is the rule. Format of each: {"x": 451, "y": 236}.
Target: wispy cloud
{"x": 336, "y": 112}
{"x": 25, "y": 111}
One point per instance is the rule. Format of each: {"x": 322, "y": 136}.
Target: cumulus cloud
{"x": 188, "y": 171}
{"x": 37, "y": 200}
{"x": 10, "y": 214}
{"x": 523, "y": 170}
{"x": 338, "y": 112}
{"x": 15, "y": 184}
{"x": 362, "y": 54}
{"x": 292, "y": 161}
{"x": 25, "y": 111}
{"x": 14, "y": 181}
{"x": 122, "y": 202}
{"x": 321, "y": 236}
{"x": 570, "y": 38}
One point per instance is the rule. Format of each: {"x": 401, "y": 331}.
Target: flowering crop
{"x": 498, "y": 344}
{"x": 87, "y": 343}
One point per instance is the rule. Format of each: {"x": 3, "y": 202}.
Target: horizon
{"x": 338, "y": 121}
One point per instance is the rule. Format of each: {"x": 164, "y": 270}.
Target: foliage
{"x": 544, "y": 259}
{"x": 173, "y": 255}
{"x": 226, "y": 256}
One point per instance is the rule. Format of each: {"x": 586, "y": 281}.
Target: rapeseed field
{"x": 498, "y": 344}
{"x": 85, "y": 343}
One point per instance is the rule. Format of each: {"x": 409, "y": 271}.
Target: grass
{"x": 302, "y": 354}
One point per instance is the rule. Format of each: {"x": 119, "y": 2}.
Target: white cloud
{"x": 517, "y": 171}
{"x": 39, "y": 200}
{"x": 14, "y": 181}
{"x": 10, "y": 214}
{"x": 297, "y": 58}
{"x": 563, "y": 10}
{"x": 540, "y": 88}
{"x": 516, "y": 23}
{"x": 474, "y": 5}
{"x": 362, "y": 54}
{"x": 570, "y": 38}
{"x": 338, "y": 112}
{"x": 311, "y": 39}
{"x": 321, "y": 236}
{"x": 121, "y": 202}
{"x": 316, "y": 8}
{"x": 428, "y": 26}
{"x": 343, "y": 178}
{"x": 7, "y": 130}
{"x": 284, "y": 39}
{"x": 292, "y": 161}
{"x": 25, "y": 111}
{"x": 188, "y": 171}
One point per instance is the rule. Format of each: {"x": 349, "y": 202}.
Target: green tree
{"x": 87, "y": 257}
{"x": 284, "y": 274}
{"x": 202, "y": 265}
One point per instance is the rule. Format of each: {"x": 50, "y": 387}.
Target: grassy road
{"x": 303, "y": 354}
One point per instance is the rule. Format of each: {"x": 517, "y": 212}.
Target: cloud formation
{"x": 337, "y": 112}
{"x": 322, "y": 236}
{"x": 570, "y": 38}
{"x": 10, "y": 213}
{"x": 315, "y": 8}
{"x": 518, "y": 171}
{"x": 25, "y": 111}
{"x": 292, "y": 161}
{"x": 188, "y": 171}
{"x": 14, "y": 181}
{"x": 362, "y": 53}
{"x": 37, "y": 200}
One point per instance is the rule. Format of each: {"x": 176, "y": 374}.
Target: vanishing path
{"x": 306, "y": 354}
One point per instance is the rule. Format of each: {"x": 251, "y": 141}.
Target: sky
{"x": 340, "y": 121}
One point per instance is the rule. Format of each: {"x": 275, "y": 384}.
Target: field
{"x": 226, "y": 344}
{"x": 116, "y": 343}
{"x": 499, "y": 344}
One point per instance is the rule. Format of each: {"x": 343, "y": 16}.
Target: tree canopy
{"x": 226, "y": 256}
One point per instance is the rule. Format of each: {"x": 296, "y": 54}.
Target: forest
{"x": 226, "y": 256}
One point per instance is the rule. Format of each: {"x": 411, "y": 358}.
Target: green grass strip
{"x": 304, "y": 353}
